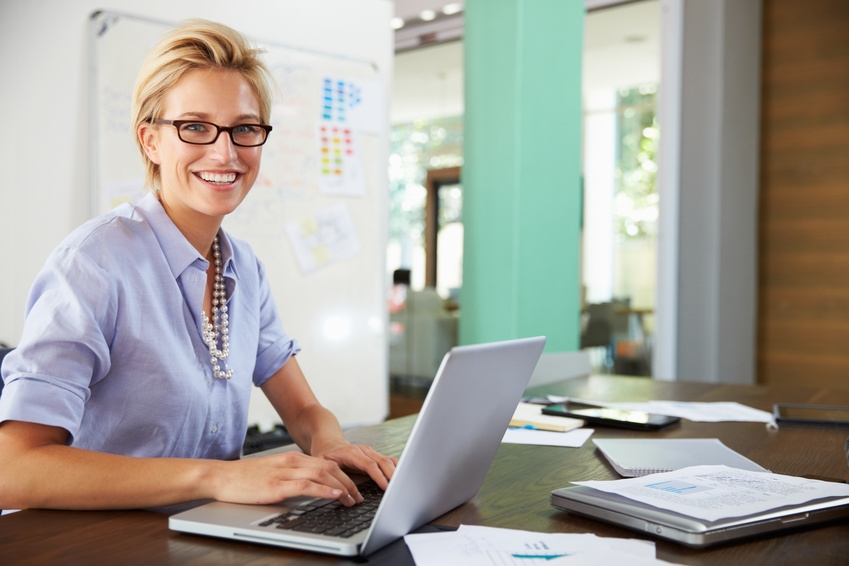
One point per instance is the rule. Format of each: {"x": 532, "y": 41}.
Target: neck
{"x": 199, "y": 229}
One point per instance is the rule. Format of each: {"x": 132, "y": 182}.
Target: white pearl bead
{"x": 213, "y": 330}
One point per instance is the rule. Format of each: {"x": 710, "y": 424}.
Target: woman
{"x": 148, "y": 325}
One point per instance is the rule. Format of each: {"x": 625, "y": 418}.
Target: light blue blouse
{"x": 112, "y": 349}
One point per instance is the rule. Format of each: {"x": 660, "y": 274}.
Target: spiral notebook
{"x": 633, "y": 457}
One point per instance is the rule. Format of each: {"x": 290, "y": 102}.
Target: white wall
{"x": 45, "y": 115}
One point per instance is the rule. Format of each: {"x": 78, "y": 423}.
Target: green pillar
{"x": 522, "y": 171}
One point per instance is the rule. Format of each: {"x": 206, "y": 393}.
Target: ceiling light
{"x": 452, "y": 8}
{"x": 427, "y": 15}
{"x": 396, "y": 23}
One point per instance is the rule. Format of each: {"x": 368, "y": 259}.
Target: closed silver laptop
{"x": 443, "y": 464}
{"x": 689, "y": 531}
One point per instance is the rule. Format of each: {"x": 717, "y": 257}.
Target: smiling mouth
{"x": 217, "y": 178}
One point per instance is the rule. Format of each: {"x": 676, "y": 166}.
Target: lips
{"x": 217, "y": 178}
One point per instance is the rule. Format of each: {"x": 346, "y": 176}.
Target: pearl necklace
{"x": 211, "y": 331}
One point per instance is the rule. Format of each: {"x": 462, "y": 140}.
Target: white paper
{"x": 326, "y": 237}
{"x": 713, "y": 493}
{"x": 340, "y": 161}
{"x": 571, "y": 439}
{"x": 488, "y": 546}
{"x": 356, "y": 103}
{"x": 119, "y": 192}
{"x": 599, "y": 557}
{"x": 723, "y": 411}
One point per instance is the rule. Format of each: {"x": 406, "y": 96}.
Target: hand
{"x": 270, "y": 479}
{"x": 360, "y": 458}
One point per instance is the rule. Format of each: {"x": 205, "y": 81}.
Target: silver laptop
{"x": 697, "y": 533}
{"x": 443, "y": 464}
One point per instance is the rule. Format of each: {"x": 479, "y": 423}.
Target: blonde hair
{"x": 197, "y": 44}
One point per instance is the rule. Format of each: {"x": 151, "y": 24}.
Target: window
{"x": 417, "y": 148}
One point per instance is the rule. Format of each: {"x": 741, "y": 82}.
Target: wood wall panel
{"x": 803, "y": 310}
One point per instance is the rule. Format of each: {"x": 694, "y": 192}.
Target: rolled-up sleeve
{"x": 64, "y": 347}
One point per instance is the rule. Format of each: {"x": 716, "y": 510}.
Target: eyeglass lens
{"x": 206, "y": 132}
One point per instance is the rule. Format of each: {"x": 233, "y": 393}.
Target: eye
{"x": 195, "y": 127}
{"x": 246, "y": 129}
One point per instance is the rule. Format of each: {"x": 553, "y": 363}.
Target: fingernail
{"x": 337, "y": 492}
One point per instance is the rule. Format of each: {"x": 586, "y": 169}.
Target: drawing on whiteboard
{"x": 357, "y": 104}
{"x": 338, "y": 96}
{"x": 340, "y": 164}
{"x": 326, "y": 237}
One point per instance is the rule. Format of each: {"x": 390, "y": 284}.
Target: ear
{"x": 149, "y": 138}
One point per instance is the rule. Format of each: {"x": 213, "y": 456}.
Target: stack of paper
{"x": 717, "y": 493}
{"x": 530, "y": 415}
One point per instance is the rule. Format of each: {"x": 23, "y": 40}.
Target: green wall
{"x": 521, "y": 171}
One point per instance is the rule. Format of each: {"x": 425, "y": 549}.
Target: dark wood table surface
{"x": 514, "y": 494}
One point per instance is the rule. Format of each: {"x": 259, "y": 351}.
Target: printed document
{"x": 487, "y": 546}
{"x": 714, "y": 493}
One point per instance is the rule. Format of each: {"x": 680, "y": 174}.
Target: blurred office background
{"x": 621, "y": 73}
{"x": 752, "y": 273}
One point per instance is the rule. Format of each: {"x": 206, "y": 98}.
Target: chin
{"x": 221, "y": 209}
{"x": 225, "y": 202}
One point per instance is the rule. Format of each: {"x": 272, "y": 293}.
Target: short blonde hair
{"x": 197, "y": 44}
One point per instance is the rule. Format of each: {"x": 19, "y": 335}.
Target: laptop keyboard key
{"x": 330, "y": 517}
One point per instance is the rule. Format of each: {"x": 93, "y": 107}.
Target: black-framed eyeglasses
{"x": 198, "y": 132}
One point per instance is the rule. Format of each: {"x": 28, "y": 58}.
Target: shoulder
{"x": 108, "y": 237}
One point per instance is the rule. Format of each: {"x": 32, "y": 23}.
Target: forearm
{"x": 315, "y": 429}
{"x": 61, "y": 477}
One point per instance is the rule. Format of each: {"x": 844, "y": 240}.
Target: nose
{"x": 223, "y": 148}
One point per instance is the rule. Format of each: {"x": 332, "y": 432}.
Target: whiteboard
{"x": 316, "y": 214}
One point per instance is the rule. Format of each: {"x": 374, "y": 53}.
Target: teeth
{"x": 217, "y": 177}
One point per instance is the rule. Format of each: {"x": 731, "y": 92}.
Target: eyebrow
{"x": 206, "y": 117}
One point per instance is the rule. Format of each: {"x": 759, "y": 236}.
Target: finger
{"x": 382, "y": 468}
{"x": 265, "y": 490}
{"x": 387, "y": 464}
{"x": 367, "y": 460}
{"x": 370, "y": 463}
{"x": 323, "y": 472}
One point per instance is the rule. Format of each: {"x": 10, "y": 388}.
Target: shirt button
{"x": 214, "y": 428}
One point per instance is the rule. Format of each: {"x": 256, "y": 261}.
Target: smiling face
{"x": 199, "y": 184}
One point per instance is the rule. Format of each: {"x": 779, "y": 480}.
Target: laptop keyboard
{"x": 329, "y": 516}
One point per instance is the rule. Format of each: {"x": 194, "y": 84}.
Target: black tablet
{"x": 811, "y": 415}
{"x": 604, "y": 416}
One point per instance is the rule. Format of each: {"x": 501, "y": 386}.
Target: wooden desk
{"x": 514, "y": 494}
